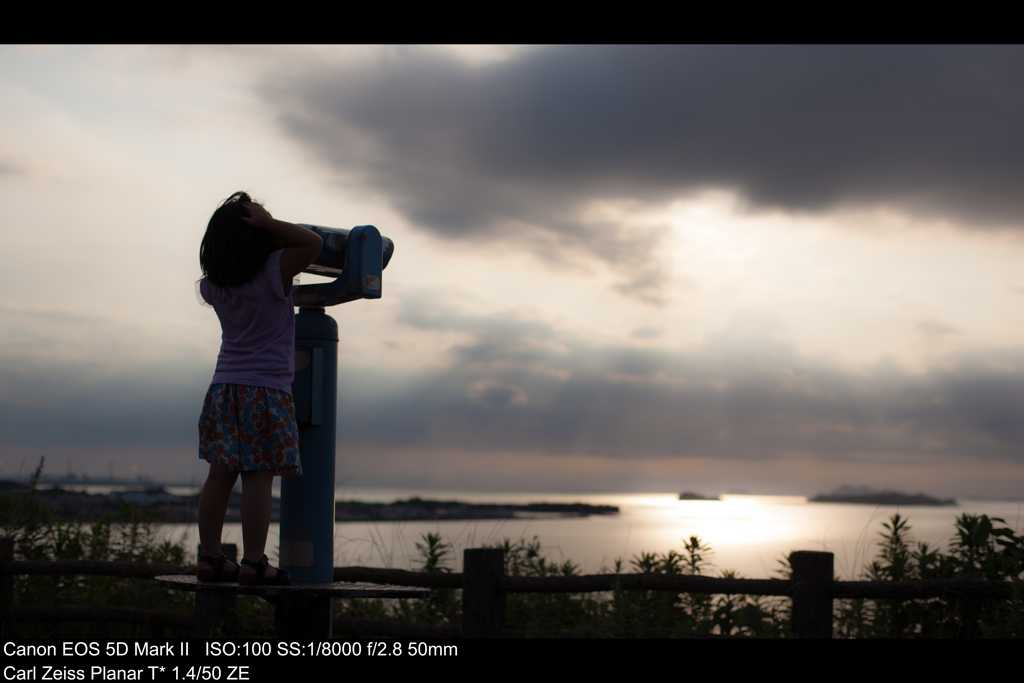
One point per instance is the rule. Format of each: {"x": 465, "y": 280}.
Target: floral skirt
{"x": 249, "y": 428}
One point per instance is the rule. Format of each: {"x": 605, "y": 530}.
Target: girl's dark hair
{"x": 234, "y": 252}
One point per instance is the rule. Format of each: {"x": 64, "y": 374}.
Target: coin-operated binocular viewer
{"x": 355, "y": 259}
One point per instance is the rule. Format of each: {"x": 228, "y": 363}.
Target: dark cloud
{"x": 67, "y": 404}
{"x": 515, "y": 150}
{"x": 747, "y": 394}
{"x": 517, "y": 384}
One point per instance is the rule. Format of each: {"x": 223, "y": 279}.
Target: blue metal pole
{"x": 355, "y": 258}
{"x": 307, "y": 501}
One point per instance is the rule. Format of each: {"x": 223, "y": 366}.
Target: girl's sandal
{"x": 217, "y": 574}
{"x": 281, "y": 579}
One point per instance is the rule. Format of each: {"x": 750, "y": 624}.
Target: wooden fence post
{"x": 214, "y": 609}
{"x": 812, "y": 593}
{"x": 6, "y": 589}
{"x": 483, "y": 605}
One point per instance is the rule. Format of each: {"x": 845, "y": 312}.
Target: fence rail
{"x": 812, "y": 589}
{"x": 127, "y": 570}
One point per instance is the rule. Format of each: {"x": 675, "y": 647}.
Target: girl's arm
{"x": 302, "y": 245}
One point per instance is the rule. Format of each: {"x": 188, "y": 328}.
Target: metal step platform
{"x": 340, "y": 589}
{"x": 302, "y": 610}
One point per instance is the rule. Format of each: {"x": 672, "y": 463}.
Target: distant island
{"x": 690, "y": 495}
{"x": 77, "y": 506}
{"x": 865, "y": 496}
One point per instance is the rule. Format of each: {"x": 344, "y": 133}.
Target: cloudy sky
{"x": 771, "y": 269}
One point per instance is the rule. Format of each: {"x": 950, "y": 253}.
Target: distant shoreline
{"x": 78, "y": 506}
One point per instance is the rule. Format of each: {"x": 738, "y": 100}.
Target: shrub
{"x": 979, "y": 550}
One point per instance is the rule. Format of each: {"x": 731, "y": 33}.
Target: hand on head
{"x": 258, "y": 216}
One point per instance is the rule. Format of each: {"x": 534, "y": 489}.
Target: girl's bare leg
{"x": 256, "y": 497}
{"x": 213, "y": 505}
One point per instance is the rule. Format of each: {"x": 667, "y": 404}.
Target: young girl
{"x": 248, "y": 419}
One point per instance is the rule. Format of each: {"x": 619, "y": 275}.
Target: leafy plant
{"x": 534, "y": 612}
{"x": 443, "y": 608}
{"x": 980, "y": 549}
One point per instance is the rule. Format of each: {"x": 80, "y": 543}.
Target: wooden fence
{"x": 484, "y": 584}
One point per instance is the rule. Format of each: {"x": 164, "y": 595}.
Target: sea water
{"x": 746, "y": 534}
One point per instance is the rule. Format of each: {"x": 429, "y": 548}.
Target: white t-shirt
{"x": 257, "y": 323}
